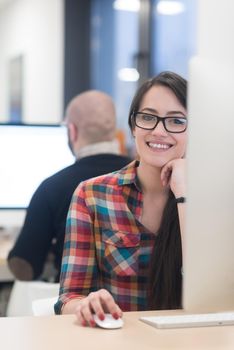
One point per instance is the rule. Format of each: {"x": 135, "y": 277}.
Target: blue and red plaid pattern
{"x": 106, "y": 246}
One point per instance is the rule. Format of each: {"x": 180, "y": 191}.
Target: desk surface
{"x": 62, "y": 332}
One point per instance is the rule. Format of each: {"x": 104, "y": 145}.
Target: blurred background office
{"x": 52, "y": 50}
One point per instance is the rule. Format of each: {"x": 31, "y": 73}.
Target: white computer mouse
{"x": 109, "y": 322}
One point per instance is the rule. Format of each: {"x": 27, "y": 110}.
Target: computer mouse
{"x": 109, "y": 322}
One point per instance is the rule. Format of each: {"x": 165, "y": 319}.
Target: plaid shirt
{"x": 106, "y": 246}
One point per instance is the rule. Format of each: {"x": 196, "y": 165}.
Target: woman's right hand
{"x": 98, "y": 303}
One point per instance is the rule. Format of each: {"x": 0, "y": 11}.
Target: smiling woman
{"x": 166, "y": 138}
{"x": 124, "y": 229}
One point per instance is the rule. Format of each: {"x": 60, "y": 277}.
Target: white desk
{"x": 62, "y": 332}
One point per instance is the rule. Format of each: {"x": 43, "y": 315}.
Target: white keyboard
{"x": 192, "y": 320}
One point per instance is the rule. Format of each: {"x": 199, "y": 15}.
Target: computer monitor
{"x": 28, "y": 155}
{"x": 209, "y": 235}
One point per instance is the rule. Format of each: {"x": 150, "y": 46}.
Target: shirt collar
{"x": 128, "y": 175}
{"x": 110, "y": 147}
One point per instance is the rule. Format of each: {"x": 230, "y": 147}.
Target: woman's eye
{"x": 148, "y": 118}
{"x": 177, "y": 121}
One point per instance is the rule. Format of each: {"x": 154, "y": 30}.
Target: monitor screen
{"x": 29, "y": 154}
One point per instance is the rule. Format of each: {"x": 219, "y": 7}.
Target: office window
{"x": 173, "y": 35}
{"x": 114, "y": 47}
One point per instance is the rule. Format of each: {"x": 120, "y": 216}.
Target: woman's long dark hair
{"x": 165, "y": 280}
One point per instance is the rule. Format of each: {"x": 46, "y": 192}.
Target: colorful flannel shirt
{"x": 106, "y": 246}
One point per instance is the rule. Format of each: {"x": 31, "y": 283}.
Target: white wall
{"x": 34, "y": 29}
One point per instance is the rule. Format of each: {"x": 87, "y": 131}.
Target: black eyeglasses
{"x": 149, "y": 122}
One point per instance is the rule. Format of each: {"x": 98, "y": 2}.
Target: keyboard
{"x": 191, "y": 320}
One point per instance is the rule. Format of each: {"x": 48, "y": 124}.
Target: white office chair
{"x": 23, "y": 295}
{"x": 44, "y": 307}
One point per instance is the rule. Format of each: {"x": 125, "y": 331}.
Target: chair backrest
{"x": 44, "y": 306}
{"x": 24, "y": 293}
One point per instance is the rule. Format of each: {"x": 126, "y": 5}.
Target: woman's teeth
{"x": 158, "y": 145}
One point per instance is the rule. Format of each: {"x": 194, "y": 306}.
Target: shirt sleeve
{"x": 34, "y": 240}
{"x": 79, "y": 269}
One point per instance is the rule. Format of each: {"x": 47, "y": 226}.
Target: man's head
{"x": 90, "y": 118}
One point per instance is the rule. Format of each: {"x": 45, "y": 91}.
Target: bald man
{"x": 91, "y": 124}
